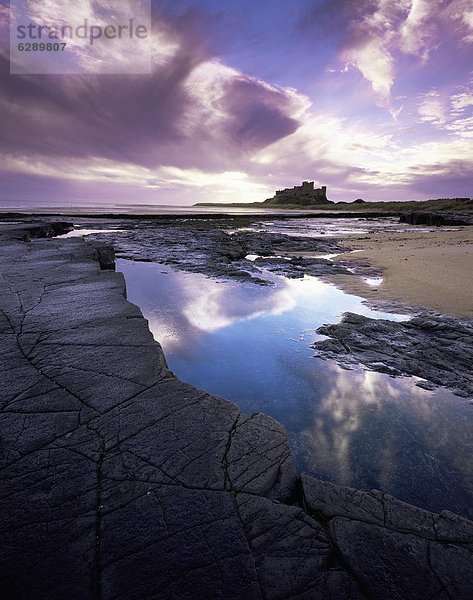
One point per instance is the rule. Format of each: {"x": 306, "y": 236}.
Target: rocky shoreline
{"x": 120, "y": 481}
{"x": 221, "y": 251}
{"x": 436, "y": 348}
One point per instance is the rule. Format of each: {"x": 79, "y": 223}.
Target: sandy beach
{"x": 428, "y": 268}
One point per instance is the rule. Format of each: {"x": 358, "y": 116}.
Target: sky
{"x": 372, "y": 98}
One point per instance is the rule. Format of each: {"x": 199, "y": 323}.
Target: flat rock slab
{"x": 380, "y": 537}
{"x": 436, "y": 348}
{"x": 120, "y": 481}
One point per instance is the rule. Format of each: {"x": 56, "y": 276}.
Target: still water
{"x": 251, "y": 344}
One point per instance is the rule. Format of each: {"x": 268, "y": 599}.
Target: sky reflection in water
{"x": 251, "y": 344}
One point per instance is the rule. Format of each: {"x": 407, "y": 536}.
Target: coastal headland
{"x": 306, "y": 197}
{"x": 120, "y": 481}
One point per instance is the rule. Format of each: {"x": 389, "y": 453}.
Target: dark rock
{"x": 204, "y": 248}
{"x": 436, "y": 218}
{"x": 106, "y": 256}
{"x": 51, "y": 229}
{"x": 433, "y": 347}
{"x": 28, "y": 230}
{"x": 118, "y": 479}
{"x": 297, "y": 267}
{"x": 273, "y": 472}
{"x": 380, "y": 537}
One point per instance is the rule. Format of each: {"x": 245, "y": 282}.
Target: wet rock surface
{"x": 219, "y": 250}
{"x": 436, "y": 348}
{"x": 120, "y": 481}
{"x": 298, "y": 266}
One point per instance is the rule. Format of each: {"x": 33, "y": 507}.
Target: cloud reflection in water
{"x": 251, "y": 344}
{"x": 372, "y": 431}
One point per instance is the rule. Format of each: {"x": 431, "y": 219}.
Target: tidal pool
{"x": 81, "y": 232}
{"x": 251, "y": 344}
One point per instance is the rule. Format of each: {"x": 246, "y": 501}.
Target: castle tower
{"x": 307, "y": 186}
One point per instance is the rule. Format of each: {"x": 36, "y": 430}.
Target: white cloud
{"x": 422, "y": 159}
{"x": 208, "y": 85}
{"x": 432, "y": 109}
{"x": 461, "y": 101}
{"x": 212, "y": 307}
{"x": 416, "y": 32}
{"x": 376, "y": 64}
{"x": 330, "y": 140}
{"x": 229, "y": 185}
{"x": 451, "y": 114}
{"x": 464, "y": 13}
{"x": 370, "y": 49}
{"x": 380, "y": 37}
{"x": 352, "y": 156}
{"x": 461, "y": 114}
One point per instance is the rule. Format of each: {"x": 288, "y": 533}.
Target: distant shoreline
{"x": 438, "y": 204}
{"x": 203, "y": 215}
{"x": 255, "y": 209}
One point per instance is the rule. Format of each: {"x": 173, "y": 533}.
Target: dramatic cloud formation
{"x": 378, "y": 104}
{"x": 384, "y": 30}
